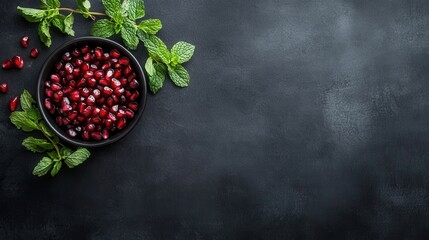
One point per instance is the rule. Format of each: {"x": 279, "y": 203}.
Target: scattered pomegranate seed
{"x": 3, "y": 87}
{"x": 34, "y": 53}
{"x": 18, "y": 62}
{"x": 24, "y": 41}
{"x": 8, "y": 64}
{"x": 13, "y": 103}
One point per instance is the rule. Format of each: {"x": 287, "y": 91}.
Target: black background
{"x": 304, "y": 120}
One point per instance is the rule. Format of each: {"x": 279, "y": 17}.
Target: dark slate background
{"x": 305, "y": 119}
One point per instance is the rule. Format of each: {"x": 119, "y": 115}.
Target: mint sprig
{"x": 29, "y": 120}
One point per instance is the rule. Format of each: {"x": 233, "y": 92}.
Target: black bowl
{"x": 47, "y": 70}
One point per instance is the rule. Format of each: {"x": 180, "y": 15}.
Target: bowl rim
{"x": 119, "y": 135}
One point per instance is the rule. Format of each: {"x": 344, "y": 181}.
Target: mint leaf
{"x": 58, "y": 22}
{"x": 183, "y": 51}
{"x": 49, "y": 4}
{"x": 44, "y": 34}
{"x": 150, "y": 26}
{"x": 68, "y": 24}
{"x": 34, "y": 114}
{"x": 113, "y": 9}
{"x": 47, "y": 131}
{"x": 37, "y": 145}
{"x": 149, "y": 66}
{"x": 133, "y": 8}
{"x": 156, "y": 81}
{"x": 65, "y": 152}
{"x": 27, "y": 101}
{"x": 179, "y": 76}
{"x": 155, "y": 47}
{"x": 31, "y": 14}
{"x": 128, "y": 33}
{"x": 53, "y": 155}
{"x": 22, "y": 121}
{"x": 56, "y": 168}
{"x": 77, "y": 158}
{"x": 103, "y": 28}
{"x": 43, "y": 167}
{"x": 84, "y": 6}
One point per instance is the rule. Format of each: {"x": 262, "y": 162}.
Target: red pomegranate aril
{"x": 92, "y": 82}
{"x": 124, "y": 81}
{"x": 128, "y": 94}
{"x": 115, "y": 83}
{"x": 18, "y": 62}
{"x": 105, "y": 57}
{"x": 72, "y": 83}
{"x": 88, "y": 74}
{"x": 103, "y": 112}
{"x": 49, "y": 93}
{"x": 56, "y": 86}
{"x": 113, "y": 61}
{"x": 98, "y": 52}
{"x": 85, "y": 67}
{"x": 122, "y": 99}
{"x": 105, "y": 66}
{"x": 74, "y": 96}
{"x": 81, "y": 107}
{"x": 133, "y": 106}
{"x": 118, "y": 66}
{"x": 90, "y": 127}
{"x": 109, "y": 74}
{"x": 48, "y": 103}
{"x": 121, "y": 123}
{"x": 119, "y": 92}
{"x": 73, "y": 105}
{"x": 115, "y": 99}
{"x": 93, "y": 67}
{"x": 48, "y": 84}
{"x": 72, "y": 116}
{"x": 85, "y": 135}
{"x": 76, "y": 72}
{"x": 98, "y": 74}
{"x": 69, "y": 77}
{"x": 87, "y": 57}
{"x": 8, "y": 64}
{"x": 96, "y": 111}
{"x": 13, "y": 103}
{"x": 101, "y": 100}
{"x": 115, "y": 53}
{"x": 59, "y": 66}
{"x": 62, "y": 73}
{"x": 121, "y": 113}
{"x": 110, "y": 101}
{"x": 68, "y": 68}
{"x": 81, "y": 83}
{"x": 114, "y": 108}
{"x": 71, "y": 133}
{"x": 103, "y": 82}
{"x": 108, "y": 123}
{"x": 96, "y": 120}
{"x": 85, "y": 49}
{"x": 67, "y": 90}
{"x": 65, "y": 105}
{"x": 127, "y": 70}
{"x": 81, "y": 118}
{"x": 96, "y": 136}
{"x": 134, "y": 84}
{"x": 134, "y": 96}
{"x": 59, "y": 121}
{"x": 129, "y": 113}
{"x": 24, "y": 41}
{"x": 112, "y": 117}
{"x": 87, "y": 111}
{"x": 3, "y": 87}
{"x": 67, "y": 56}
{"x": 58, "y": 95}
{"x": 131, "y": 77}
{"x": 96, "y": 93}
{"x": 90, "y": 100}
{"x": 105, "y": 134}
{"x": 66, "y": 121}
{"x": 76, "y": 52}
{"x": 107, "y": 91}
{"x": 117, "y": 73}
{"x": 78, "y": 62}
{"x": 124, "y": 61}
{"x": 34, "y": 53}
{"x": 85, "y": 92}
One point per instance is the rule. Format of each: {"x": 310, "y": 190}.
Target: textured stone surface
{"x": 304, "y": 120}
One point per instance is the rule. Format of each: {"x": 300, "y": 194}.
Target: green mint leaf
{"x": 179, "y": 76}
{"x": 43, "y": 167}
{"x": 128, "y": 33}
{"x": 27, "y": 101}
{"x": 150, "y": 69}
{"x": 49, "y": 4}
{"x": 113, "y": 9}
{"x": 156, "y": 81}
{"x": 53, "y": 155}
{"x": 150, "y": 26}
{"x": 134, "y": 9}
{"x": 44, "y": 34}
{"x": 22, "y": 121}
{"x": 65, "y": 151}
{"x": 77, "y": 158}
{"x": 31, "y": 14}
{"x": 58, "y": 22}
{"x": 155, "y": 47}
{"x": 183, "y": 51}
{"x": 34, "y": 114}
{"x": 68, "y": 24}
{"x": 46, "y": 130}
{"x": 56, "y": 168}
{"x": 37, "y": 145}
{"x": 103, "y": 28}
{"x": 84, "y": 6}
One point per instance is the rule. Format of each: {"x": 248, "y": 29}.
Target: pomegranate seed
{"x": 119, "y": 92}
{"x": 114, "y": 108}
{"x": 72, "y": 83}
{"x": 112, "y": 117}
{"x": 127, "y": 70}
{"x": 85, "y": 92}
{"x": 24, "y": 41}
{"x": 105, "y": 66}
{"x": 18, "y": 61}
{"x": 115, "y": 53}
{"x": 59, "y": 66}
{"x": 131, "y": 77}
{"x": 123, "y": 99}
{"x": 90, "y": 100}
{"x": 48, "y": 103}
{"x": 55, "y": 78}
{"x": 58, "y": 95}
{"x": 68, "y": 68}
{"x": 76, "y": 72}
{"x": 96, "y": 111}
{"x": 128, "y": 94}
{"x": 90, "y": 127}
{"x": 92, "y": 82}
{"x": 134, "y": 84}
{"x": 96, "y": 120}
{"x": 105, "y": 134}
{"x": 117, "y": 73}
{"x": 67, "y": 56}
{"x": 3, "y": 87}
{"x": 85, "y": 67}
{"x": 66, "y": 121}
{"x": 67, "y": 90}
{"x": 134, "y": 96}
{"x": 101, "y": 101}
{"x": 71, "y": 133}
{"x": 49, "y": 93}
{"x": 85, "y": 49}
{"x": 103, "y": 112}
{"x": 56, "y": 86}
{"x": 7, "y": 64}
{"x": 98, "y": 74}
{"x": 129, "y": 113}
{"x": 108, "y": 123}
{"x": 88, "y": 74}
{"x": 103, "y": 82}
{"x": 85, "y": 135}
{"x": 34, "y": 53}
{"x": 87, "y": 57}
{"x": 76, "y": 52}
{"x": 81, "y": 82}
{"x": 109, "y": 74}
{"x": 115, "y": 83}
{"x": 121, "y": 123}
{"x": 78, "y": 62}
{"x": 107, "y": 91}
{"x": 124, "y": 61}
{"x": 96, "y": 93}
{"x": 13, "y": 103}
{"x": 62, "y": 73}
{"x": 98, "y": 52}
{"x": 133, "y": 106}
{"x": 81, "y": 107}
{"x": 96, "y": 136}
{"x": 87, "y": 111}
{"x": 124, "y": 81}
{"x": 105, "y": 57}
{"x": 74, "y": 96}
{"x": 72, "y": 115}
{"x": 110, "y": 101}
{"x": 93, "y": 67}
{"x": 65, "y": 105}
{"x": 59, "y": 121}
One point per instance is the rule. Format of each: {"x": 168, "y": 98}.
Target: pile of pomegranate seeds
{"x": 92, "y": 93}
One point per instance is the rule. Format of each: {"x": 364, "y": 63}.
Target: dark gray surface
{"x": 304, "y": 120}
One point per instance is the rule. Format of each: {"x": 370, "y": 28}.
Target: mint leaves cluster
{"x": 29, "y": 120}
{"x": 122, "y": 18}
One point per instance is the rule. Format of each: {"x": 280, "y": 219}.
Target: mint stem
{"x": 77, "y": 11}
